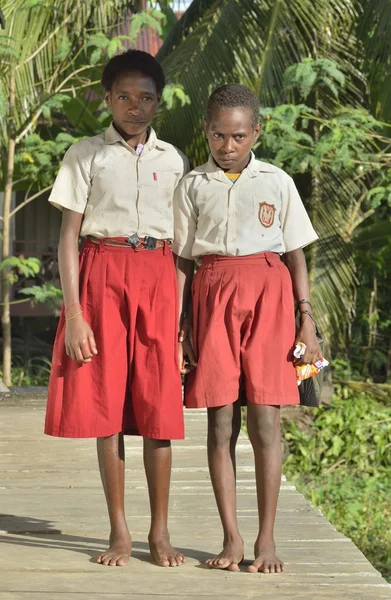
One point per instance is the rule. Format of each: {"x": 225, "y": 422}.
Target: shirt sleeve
{"x": 72, "y": 186}
{"x": 185, "y": 221}
{"x": 296, "y": 226}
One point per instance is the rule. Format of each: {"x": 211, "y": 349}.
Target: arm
{"x": 185, "y": 274}
{"x": 296, "y": 263}
{"x": 79, "y": 338}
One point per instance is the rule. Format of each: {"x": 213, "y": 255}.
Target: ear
{"x": 257, "y": 131}
{"x": 108, "y": 99}
{"x": 205, "y": 126}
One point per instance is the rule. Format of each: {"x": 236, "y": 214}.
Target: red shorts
{"x": 133, "y": 385}
{"x": 243, "y": 332}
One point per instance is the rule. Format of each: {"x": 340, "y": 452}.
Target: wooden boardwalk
{"x": 54, "y": 523}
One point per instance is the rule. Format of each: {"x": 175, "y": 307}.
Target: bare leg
{"x": 111, "y": 457}
{"x": 157, "y": 463}
{"x": 263, "y": 425}
{"x": 223, "y": 431}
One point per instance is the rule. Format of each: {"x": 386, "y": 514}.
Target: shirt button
{"x": 140, "y": 212}
{"x": 234, "y": 214}
{"x": 233, "y": 239}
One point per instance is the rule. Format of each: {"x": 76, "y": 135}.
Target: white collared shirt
{"x": 119, "y": 192}
{"x": 262, "y": 211}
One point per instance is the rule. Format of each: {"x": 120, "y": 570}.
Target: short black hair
{"x": 133, "y": 61}
{"x": 233, "y": 95}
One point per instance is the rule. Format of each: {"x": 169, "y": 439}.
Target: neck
{"x": 133, "y": 140}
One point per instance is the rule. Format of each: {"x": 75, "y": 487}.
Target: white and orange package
{"x": 308, "y": 370}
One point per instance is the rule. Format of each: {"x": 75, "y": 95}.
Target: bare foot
{"x": 266, "y": 560}
{"x": 163, "y": 553}
{"x": 119, "y": 551}
{"x": 230, "y": 557}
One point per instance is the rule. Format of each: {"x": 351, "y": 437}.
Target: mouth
{"x": 135, "y": 122}
{"x": 227, "y": 159}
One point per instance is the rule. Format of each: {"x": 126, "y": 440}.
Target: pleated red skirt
{"x": 243, "y": 332}
{"x": 133, "y": 385}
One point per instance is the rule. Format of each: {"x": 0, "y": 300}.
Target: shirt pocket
{"x": 160, "y": 190}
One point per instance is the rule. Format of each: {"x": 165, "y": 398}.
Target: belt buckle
{"x": 135, "y": 242}
{"x": 150, "y": 243}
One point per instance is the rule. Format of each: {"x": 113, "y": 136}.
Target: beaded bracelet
{"x": 74, "y": 316}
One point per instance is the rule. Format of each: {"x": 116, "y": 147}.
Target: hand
{"x": 307, "y": 335}
{"x": 79, "y": 340}
{"x": 185, "y": 339}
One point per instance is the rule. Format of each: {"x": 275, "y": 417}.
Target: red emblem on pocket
{"x": 266, "y": 214}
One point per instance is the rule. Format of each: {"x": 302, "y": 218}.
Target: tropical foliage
{"x": 322, "y": 71}
{"x": 342, "y": 464}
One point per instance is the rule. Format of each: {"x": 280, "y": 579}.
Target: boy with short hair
{"x": 239, "y": 215}
{"x": 115, "y": 365}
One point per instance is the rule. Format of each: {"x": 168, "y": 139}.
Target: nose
{"x": 228, "y": 146}
{"x": 133, "y": 106}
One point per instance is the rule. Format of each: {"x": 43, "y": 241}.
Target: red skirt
{"x": 243, "y": 332}
{"x": 133, "y": 385}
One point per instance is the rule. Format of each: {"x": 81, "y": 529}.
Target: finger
{"x": 92, "y": 343}
{"x": 183, "y": 333}
{"x": 85, "y": 349}
{"x": 79, "y": 355}
{"x": 71, "y": 353}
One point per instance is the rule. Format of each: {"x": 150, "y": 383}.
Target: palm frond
{"x": 250, "y": 42}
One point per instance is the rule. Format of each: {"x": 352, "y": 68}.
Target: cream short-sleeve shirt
{"x": 261, "y": 212}
{"x": 119, "y": 192}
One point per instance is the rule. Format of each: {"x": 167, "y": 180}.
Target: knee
{"x": 220, "y": 432}
{"x": 264, "y": 435}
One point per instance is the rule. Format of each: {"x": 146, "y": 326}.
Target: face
{"x": 231, "y": 135}
{"x": 133, "y": 101}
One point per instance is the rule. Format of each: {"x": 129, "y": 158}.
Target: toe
{"x": 233, "y": 567}
{"x": 222, "y": 563}
{"x": 164, "y": 562}
{"x": 112, "y": 562}
{"x": 254, "y": 568}
{"x": 272, "y": 568}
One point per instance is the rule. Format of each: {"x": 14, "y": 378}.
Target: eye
{"x": 147, "y": 98}
{"x": 217, "y": 136}
{"x": 239, "y": 137}
{"x": 122, "y": 97}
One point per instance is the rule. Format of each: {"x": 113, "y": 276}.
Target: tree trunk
{"x": 5, "y": 288}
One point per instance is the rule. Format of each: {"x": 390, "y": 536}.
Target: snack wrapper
{"x": 309, "y": 370}
{"x": 306, "y": 371}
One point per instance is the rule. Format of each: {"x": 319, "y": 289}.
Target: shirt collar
{"x": 254, "y": 167}
{"x": 112, "y": 137}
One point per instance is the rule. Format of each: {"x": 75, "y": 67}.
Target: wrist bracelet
{"x": 73, "y": 304}
{"x": 304, "y": 301}
{"x": 74, "y": 316}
